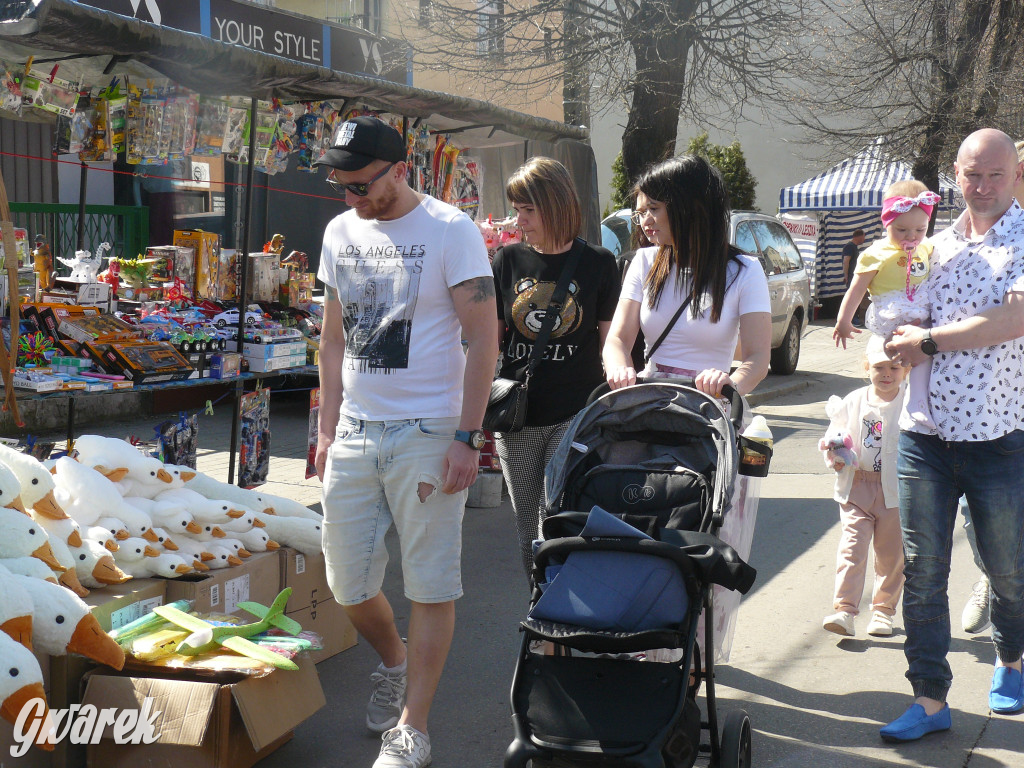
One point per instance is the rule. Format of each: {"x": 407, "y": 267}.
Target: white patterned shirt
{"x": 976, "y": 394}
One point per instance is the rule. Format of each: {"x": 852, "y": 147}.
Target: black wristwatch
{"x": 928, "y": 345}
{"x": 475, "y": 439}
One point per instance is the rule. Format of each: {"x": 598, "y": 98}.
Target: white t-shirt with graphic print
{"x": 403, "y": 341}
{"x": 696, "y": 344}
{"x": 975, "y": 394}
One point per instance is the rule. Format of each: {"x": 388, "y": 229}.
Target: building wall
{"x": 774, "y": 152}
{"x": 400, "y": 20}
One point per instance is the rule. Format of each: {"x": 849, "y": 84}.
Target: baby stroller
{"x": 637, "y": 489}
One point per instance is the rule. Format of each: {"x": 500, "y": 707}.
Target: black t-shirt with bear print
{"x": 571, "y": 367}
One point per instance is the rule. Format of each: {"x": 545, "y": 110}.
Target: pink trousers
{"x": 866, "y": 521}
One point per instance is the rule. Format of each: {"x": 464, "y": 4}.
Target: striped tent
{"x": 846, "y": 197}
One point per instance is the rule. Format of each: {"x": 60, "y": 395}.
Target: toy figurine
{"x": 42, "y": 261}
{"x": 275, "y": 246}
{"x": 85, "y": 267}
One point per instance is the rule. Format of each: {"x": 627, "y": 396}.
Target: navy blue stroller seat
{"x": 613, "y": 589}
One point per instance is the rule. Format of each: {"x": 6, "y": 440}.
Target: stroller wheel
{"x": 736, "y": 740}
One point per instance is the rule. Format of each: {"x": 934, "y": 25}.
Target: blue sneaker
{"x": 914, "y": 723}
{"x": 1007, "y": 694}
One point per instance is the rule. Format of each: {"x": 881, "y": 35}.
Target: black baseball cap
{"x": 360, "y": 141}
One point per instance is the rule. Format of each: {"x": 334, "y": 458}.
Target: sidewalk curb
{"x": 759, "y": 398}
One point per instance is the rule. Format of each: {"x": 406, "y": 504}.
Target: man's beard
{"x": 380, "y": 207}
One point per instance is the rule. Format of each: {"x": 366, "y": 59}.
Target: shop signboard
{"x": 267, "y": 30}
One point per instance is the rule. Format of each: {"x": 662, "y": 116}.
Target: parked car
{"x": 788, "y": 284}
{"x": 253, "y": 315}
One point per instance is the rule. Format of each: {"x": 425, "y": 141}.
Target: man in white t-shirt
{"x": 401, "y": 405}
{"x": 976, "y": 446}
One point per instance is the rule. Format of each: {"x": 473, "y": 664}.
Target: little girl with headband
{"x": 891, "y": 271}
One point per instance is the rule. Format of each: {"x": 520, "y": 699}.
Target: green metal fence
{"x": 126, "y": 228}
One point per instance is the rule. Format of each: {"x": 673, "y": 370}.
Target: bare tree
{"x": 921, "y": 76}
{"x": 662, "y": 58}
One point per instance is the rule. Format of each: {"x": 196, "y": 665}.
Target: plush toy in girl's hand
{"x": 838, "y": 448}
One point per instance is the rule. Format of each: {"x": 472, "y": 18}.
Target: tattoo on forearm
{"x": 332, "y": 292}
{"x": 482, "y": 287}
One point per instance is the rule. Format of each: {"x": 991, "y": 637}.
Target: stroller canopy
{"x": 622, "y": 425}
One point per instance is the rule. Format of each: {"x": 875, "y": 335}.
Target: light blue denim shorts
{"x": 376, "y": 473}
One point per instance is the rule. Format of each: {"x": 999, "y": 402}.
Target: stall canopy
{"x": 847, "y": 197}
{"x": 857, "y": 184}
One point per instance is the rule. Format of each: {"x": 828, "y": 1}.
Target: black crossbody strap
{"x": 554, "y": 307}
{"x": 671, "y": 323}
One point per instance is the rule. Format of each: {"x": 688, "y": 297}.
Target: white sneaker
{"x": 841, "y": 623}
{"x": 387, "y": 700}
{"x": 880, "y": 625}
{"x": 404, "y": 747}
{"x": 976, "y": 615}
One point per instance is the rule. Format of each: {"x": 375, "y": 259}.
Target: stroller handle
{"x": 728, "y": 392}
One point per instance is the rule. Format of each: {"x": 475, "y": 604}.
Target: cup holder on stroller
{"x": 755, "y": 457}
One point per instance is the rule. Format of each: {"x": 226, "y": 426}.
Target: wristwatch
{"x": 475, "y": 439}
{"x": 928, "y": 345}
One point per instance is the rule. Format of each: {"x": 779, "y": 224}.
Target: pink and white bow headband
{"x": 893, "y": 207}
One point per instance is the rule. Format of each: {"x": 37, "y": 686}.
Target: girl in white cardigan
{"x": 867, "y": 494}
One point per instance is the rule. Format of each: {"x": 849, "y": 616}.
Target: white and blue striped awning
{"x": 857, "y": 184}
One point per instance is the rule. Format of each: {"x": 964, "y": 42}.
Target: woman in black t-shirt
{"x": 525, "y": 275}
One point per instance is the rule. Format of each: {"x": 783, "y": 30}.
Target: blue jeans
{"x": 933, "y": 474}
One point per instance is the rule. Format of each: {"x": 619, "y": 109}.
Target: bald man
{"x": 976, "y": 348}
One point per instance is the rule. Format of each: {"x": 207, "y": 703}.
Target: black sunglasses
{"x": 359, "y": 190}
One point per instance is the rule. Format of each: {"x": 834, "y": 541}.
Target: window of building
{"x": 490, "y": 27}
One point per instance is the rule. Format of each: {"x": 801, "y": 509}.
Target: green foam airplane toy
{"x": 207, "y": 637}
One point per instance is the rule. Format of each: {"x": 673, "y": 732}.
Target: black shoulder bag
{"x": 506, "y": 407}
{"x": 682, "y": 308}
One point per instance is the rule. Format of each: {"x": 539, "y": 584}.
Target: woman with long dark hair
{"x": 525, "y": 276}
{"x": 682, "y": 206}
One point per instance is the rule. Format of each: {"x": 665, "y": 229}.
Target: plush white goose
{"x": 95, "y": 566}
{"x": 10, "y": 489}
{"x": 285, "y": 507}
{"x": 164, "y": 540}
{"x": 101, "y": 536}
{"x": 215, "y": 489}
{"x": 117, "y": 459}
{"x": 20, "y": 535}
{"x": 202, "y": 508}
{"x": 65, "y": 529}
{"x": 15, "y": 610}
{"x": 36, "y": 482}
{"x": 234, "y": 546}
{"x": 257, "y": 540}
{"x": 193, "y": 553}
{"x": 68, "y": 576}
{"x": 133, "y": 550}
{"x": 87, "y": 495}
{"x": 166, "y": 565}
{"x": 30, "y": 566}
{"x": 222, "y": 557}
{"x": 115, "y": 526}
{"x": 62, "y": 623}
{"x": 304, "y": 535}
{"x": 21, "y": 683}
{"x": 165, "y": 514}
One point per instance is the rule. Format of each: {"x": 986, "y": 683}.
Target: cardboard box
{"x": 266, "y": 351}
{"x": 225, "y": 721}
{"x": 206, "y": 246}
{"x": 313, "y": 605}
{"x": 118, "y": 604}
{"x": 258, "y": 365}
{"x": 258, "y": 578}
{"x": 149, "y": 362}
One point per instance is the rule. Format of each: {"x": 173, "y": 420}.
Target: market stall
{"x": 130, "y": 66}
{"x": 847, "y": 197}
